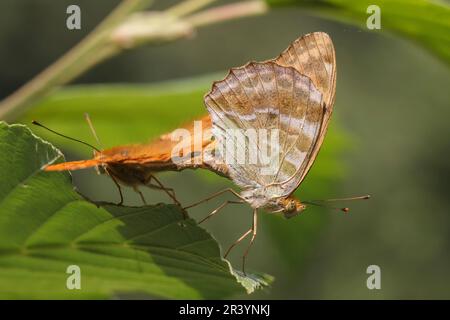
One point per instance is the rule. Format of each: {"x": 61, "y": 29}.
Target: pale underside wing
{"x": 273, "y": 98}
{"x": 293, "y": 93}
{"x": 313, "y": 55}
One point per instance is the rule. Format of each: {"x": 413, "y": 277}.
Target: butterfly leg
{"x": 254, "y": 230}
{"x": 140, "y": 194}
{"x": 169, "y": 191}
{"x": 215, "y": 195}
{"x": 157, "y": 187}
{"x": 215, "y": 211}
{"x": 118, "y": 187}
{"x": 237, "y": 241}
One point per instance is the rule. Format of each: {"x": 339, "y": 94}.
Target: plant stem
{"x": 228, "y": 12}
{"x": 122, "y": 30}
{"x": 77, "y": 60}
{"x": 186, "y": 7}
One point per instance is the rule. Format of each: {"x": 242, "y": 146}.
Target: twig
{"x": 228, "y": 12}
{"x": 122, "y": 30}
{"x": 187, "y": 7}
{"x": 77, "y": 60}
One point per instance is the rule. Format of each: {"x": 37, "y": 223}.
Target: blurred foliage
{"x": 148, "y": 249}
{"x": 425, "y": 21}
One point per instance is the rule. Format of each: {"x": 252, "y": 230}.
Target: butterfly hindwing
{"x": 285, "y": 101}
{"x": 293, "y": 93}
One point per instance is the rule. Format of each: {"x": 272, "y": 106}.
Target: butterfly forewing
{"x": 313, "y": 55}
{"x": 154, "y": 156}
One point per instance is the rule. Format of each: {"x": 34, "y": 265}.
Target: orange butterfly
{"x": 136, "y": 164}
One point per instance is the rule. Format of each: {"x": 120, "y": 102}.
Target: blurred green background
{"x": 389, "y": 138}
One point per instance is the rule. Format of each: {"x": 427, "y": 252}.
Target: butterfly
{"x": 292, "y": 94}
{"x": 134, "y": 165}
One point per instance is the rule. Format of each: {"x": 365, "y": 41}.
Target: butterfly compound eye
{"x": 300, "y": 207}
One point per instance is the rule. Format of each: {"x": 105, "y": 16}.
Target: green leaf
{"x": 424, "y": 21}
{"x": 45, "y": 227}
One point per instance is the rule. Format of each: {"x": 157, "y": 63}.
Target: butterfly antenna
{"x": 320, "y": 203}
{"x": 64, "y": 136}
{"x": 91, "y": 126}
{"x": 346, "y": 199}
{"x": 344, "y": 209}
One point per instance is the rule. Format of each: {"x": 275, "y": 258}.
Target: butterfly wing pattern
{"x": 313, "y": 55}
{"x": 293, "y": 93}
